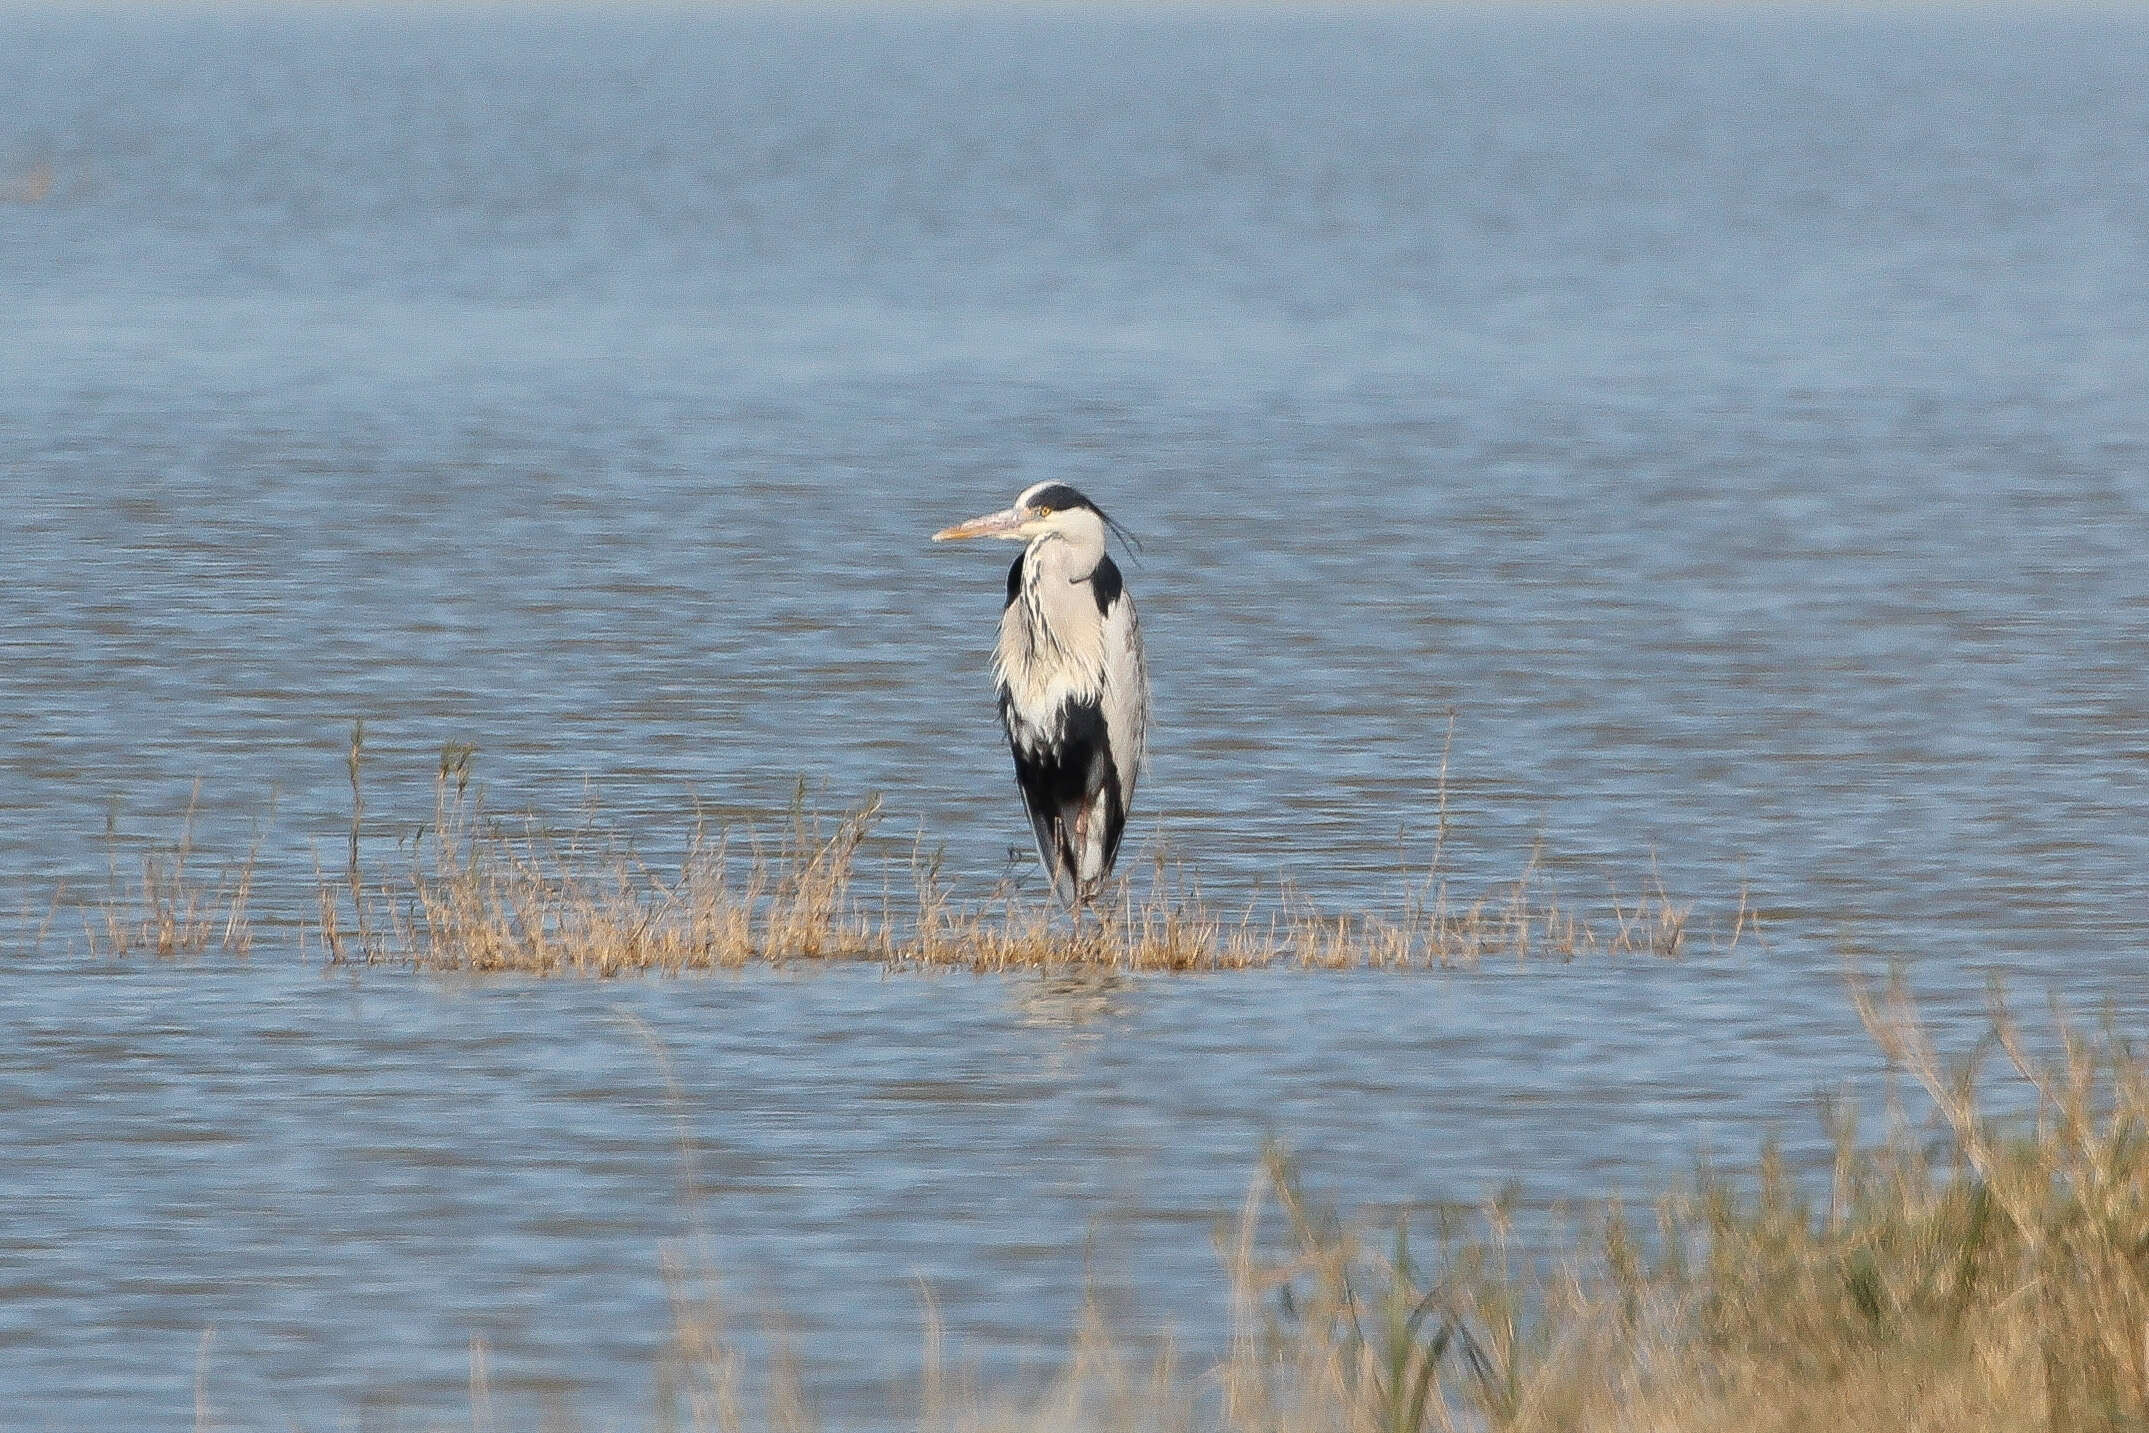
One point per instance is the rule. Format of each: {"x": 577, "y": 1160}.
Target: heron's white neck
{"x": 1070, "y": 550}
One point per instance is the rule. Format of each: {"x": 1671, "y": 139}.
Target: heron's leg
{"x": 1081, "y": 840}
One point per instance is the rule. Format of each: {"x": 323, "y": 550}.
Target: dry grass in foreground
{"x": 1964, "y": 1278}
{"x": 473, "y": 892}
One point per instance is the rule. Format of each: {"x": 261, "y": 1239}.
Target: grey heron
{"x": 1074, "y": 694}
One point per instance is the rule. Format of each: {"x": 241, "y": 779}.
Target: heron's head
{"x": 1045, "y": 510}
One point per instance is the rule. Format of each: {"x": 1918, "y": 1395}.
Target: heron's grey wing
{"x": 1125, "y": 705}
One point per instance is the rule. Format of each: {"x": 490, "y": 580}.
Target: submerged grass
{"x": 168, "y": 905}
{"x": 472, "y": 891}
{"x": 1964, "y": 1275}
{"x": 476, "y": 892}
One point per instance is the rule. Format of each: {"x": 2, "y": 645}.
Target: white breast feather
{"x": 1051, "y": 652}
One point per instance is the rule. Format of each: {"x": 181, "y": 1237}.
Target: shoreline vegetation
{"x": 1960, "y": 1274}
{"x": 471, "y": 891}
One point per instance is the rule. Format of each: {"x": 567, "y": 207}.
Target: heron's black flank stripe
{"x": 1057, "y": 778}
{"x": 1105, "y": 585}
{"x": 1014, "y": 581}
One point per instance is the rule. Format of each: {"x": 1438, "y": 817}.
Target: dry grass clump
{"x": 169, "y": 906}
{"x": 1962, "y": 1277}
{"x": 1168, "y": 928}
{"x": 474, "y": 892}
{"x": 477, "y": 893}
{"x": 1968, "y": 1277}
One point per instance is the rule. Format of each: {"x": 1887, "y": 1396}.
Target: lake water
{"x": 1738, "y": 422}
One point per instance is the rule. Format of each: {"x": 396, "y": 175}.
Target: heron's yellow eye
{"x": 1044, "y": 512}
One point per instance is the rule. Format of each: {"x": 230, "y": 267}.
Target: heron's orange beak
{"x": 1008, "y": 522}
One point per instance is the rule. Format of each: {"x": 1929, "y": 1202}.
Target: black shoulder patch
{"x": 1105, "y": 584}
{"x": 1014, "y": 580}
